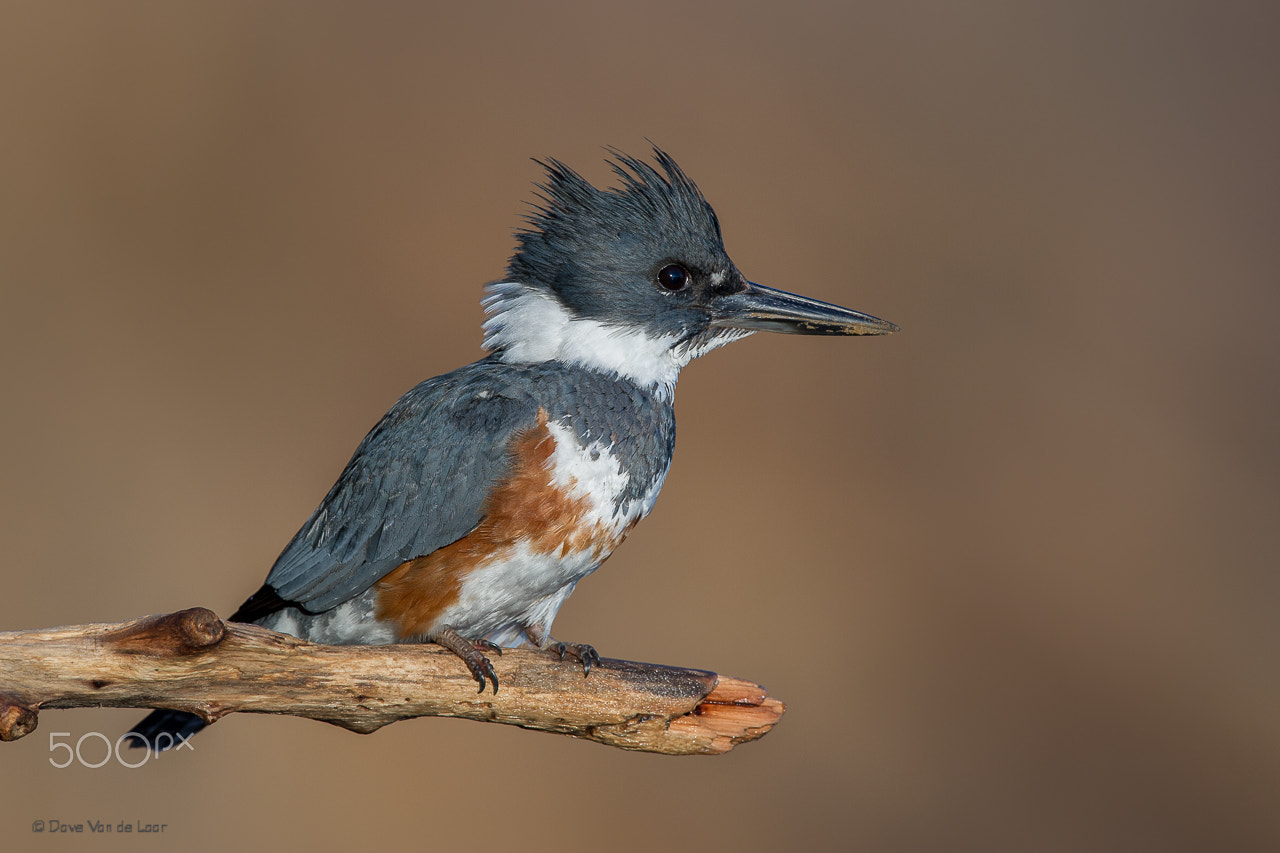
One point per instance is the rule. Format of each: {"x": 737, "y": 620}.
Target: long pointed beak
{"x": 760, "y": 308}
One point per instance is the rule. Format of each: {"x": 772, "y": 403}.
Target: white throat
{"x": 526, "y": 325}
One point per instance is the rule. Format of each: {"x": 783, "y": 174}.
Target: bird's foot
{"x": 581, "y": 652}
{"x": 472, "y": 654}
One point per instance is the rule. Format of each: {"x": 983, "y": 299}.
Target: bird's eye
{"x": 673, "y": 277}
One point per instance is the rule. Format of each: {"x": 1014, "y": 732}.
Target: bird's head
{"x": 636, "y": 280}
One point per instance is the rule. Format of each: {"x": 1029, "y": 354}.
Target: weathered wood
{"x": 193, "y": 661}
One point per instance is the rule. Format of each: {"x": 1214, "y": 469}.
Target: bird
{"x": 475, "y": 506}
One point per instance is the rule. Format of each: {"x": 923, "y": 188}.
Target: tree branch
{"x": 193, "y": 661}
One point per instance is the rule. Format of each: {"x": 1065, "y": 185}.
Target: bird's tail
{"x": 161, "y": 730}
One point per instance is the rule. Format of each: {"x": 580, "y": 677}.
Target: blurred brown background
{"x": 1013, "y": 570}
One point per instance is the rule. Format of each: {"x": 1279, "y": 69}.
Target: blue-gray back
{"x": 419, "y": 479}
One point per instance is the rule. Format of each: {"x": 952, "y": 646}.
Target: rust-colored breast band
{"x": 527, "y": 508}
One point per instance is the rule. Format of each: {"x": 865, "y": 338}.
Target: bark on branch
{"x": 193, "y": 661}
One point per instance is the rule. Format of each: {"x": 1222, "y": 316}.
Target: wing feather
{"x": 416, "y": 483}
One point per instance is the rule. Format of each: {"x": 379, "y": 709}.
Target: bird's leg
{"x": 471, "y": 652}
{"x": 584, "y": 654}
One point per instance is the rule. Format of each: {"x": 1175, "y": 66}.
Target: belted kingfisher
{"x": 475, "y": 506}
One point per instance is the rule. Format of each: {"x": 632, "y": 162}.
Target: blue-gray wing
{"x": 416, "y": 483}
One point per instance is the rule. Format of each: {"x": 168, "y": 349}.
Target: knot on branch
{"x": 16, "y": 720}
{"x": 185, "y": 632}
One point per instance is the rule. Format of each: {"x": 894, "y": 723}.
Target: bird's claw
{"x": 471, "y": 653}
{"x": 485, "y": 669}
{"x": 581, "y": 652}
{"x": 589, "y": 657}
{"x": 584, "y": 654}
